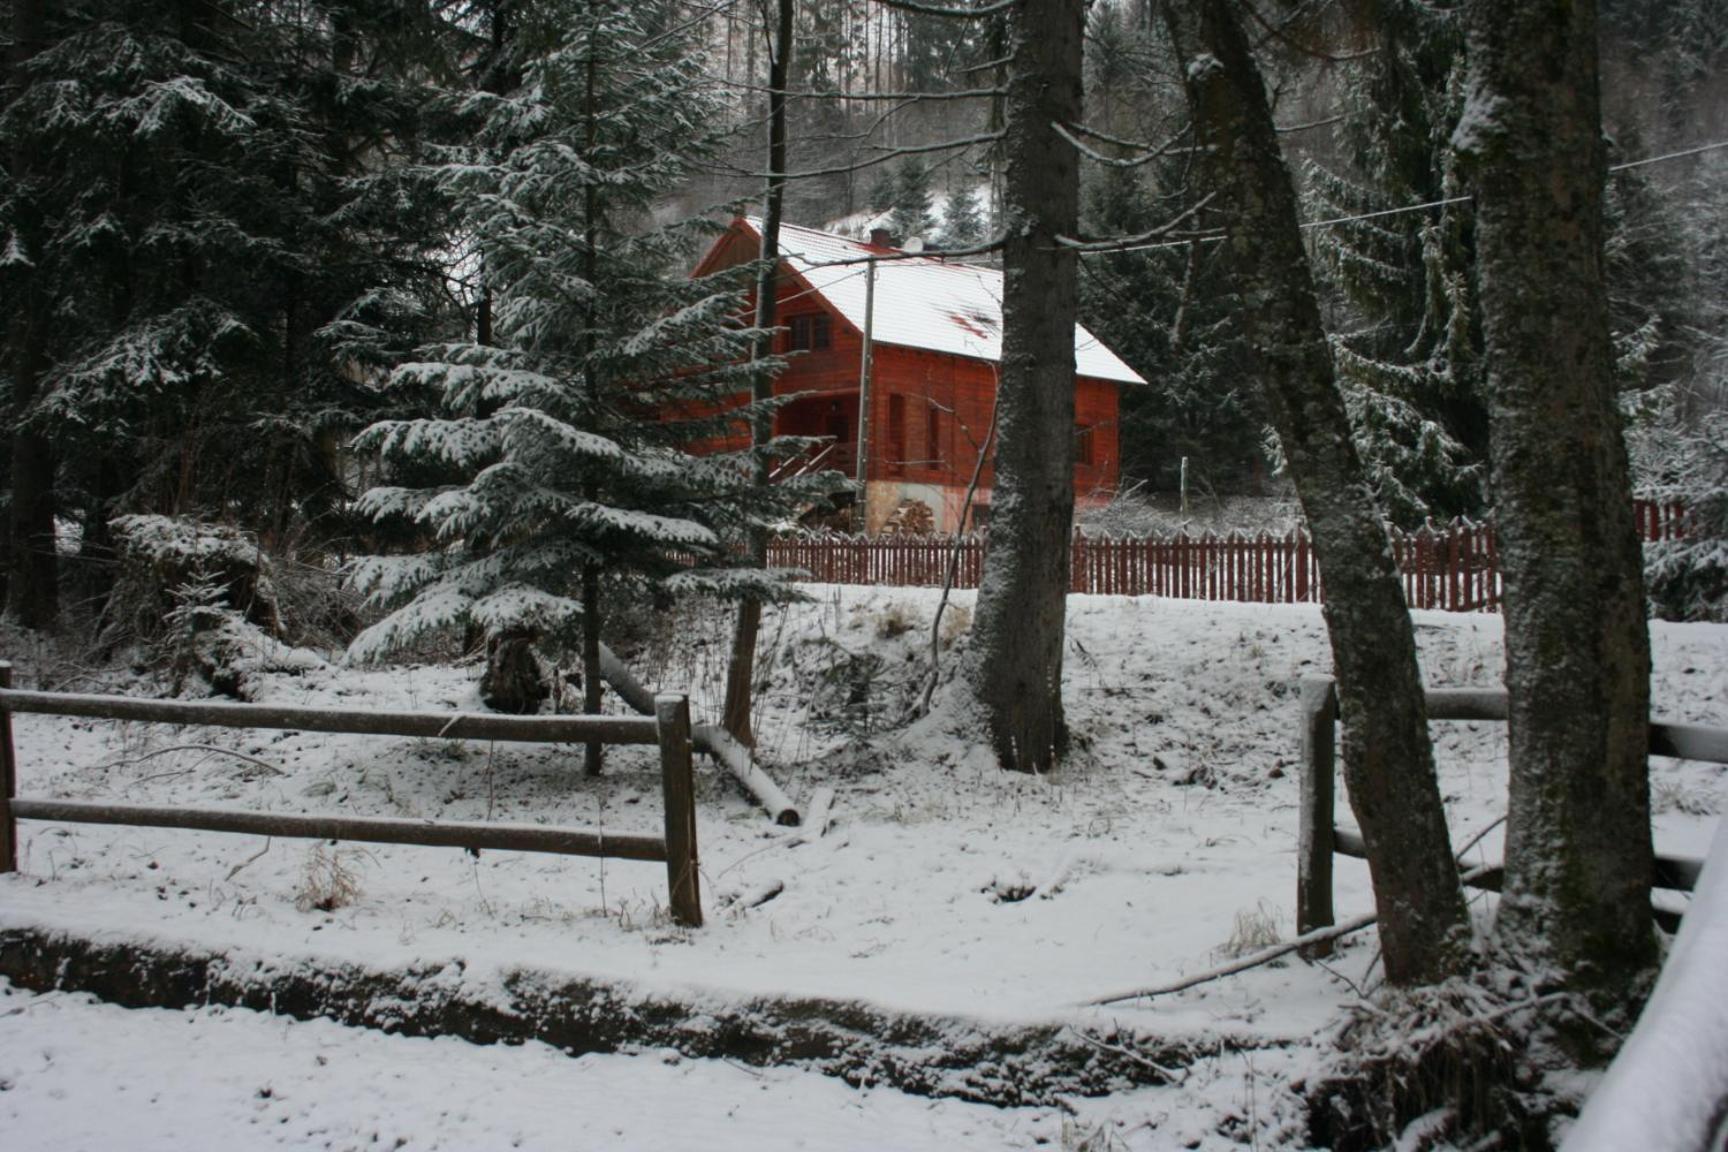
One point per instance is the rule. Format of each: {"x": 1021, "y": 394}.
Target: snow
{"x": 924, "y": 301}
{"x": 1665, "y": 1090}
{"x": 79, "y": 1075}
{"x": 942, "y": 885}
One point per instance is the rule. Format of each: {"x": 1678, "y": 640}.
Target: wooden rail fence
{"x": 1453, "y": 567}
{"x": 1319, "y": 838}
{"x": 669, "y": 728}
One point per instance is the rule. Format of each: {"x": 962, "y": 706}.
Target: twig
{"x": 211, "y": 748}
{"x": 1173, "y": 1075}
{"x": 1264, "y": 956}
{"x": 953, "y": 572}
{"x": 250, "y": 860}
{"x": 1477, "y": 839}
{"x": 1337, "y": 975}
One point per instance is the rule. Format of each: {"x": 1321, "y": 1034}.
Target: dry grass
{"x": 329, "y": 879}
{"x": 1256, "y": 929}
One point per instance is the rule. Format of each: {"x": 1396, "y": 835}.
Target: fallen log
{"x": 709, "y": 738}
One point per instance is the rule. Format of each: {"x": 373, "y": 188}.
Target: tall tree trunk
{"x": 1388, "y": 758}
{"x": 742, "y": 669}
{"x": 33, "y": 584}
{"x": 1578, "y": 852}
{"x": 1016, "y": 666}
{"x": 593, "y": 683}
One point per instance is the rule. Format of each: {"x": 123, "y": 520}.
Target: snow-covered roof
{"x": 924, "y": 301}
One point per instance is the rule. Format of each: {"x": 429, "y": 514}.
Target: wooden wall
{"x": 929, "y": 411}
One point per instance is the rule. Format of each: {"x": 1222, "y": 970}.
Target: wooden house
{"x": 935, "y": 335}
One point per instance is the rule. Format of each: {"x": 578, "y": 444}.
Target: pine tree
{"x": 223, "y": 236}
{"x": 912, "y": 217}
{"x": 883, "y": 190}
{"x": 1171, "y": 312}
{"x": 1679, "y": 435}
{"x": 564, "y": 475}
{"x": 962, "y": 224}
{"x": 1409, "y": 358}
{"x": 1655, "y": 317}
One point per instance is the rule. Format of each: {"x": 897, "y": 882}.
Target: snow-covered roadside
{"x": 944, "y": 886}
{"x": 77, "y": 1075}
{"x": 80, "y": 1076}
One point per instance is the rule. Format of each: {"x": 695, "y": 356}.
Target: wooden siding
{"x": 949, "y": 395}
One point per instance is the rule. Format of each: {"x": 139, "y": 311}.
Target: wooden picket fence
{"x": 1453, "y": 567}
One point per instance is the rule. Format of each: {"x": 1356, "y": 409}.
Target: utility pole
{"x": 865, "y": 371}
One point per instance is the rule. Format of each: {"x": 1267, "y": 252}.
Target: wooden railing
{"x": 1319, "y": 838}
{"x": 669, "y": 728}
{"x": 1453, "y": 567}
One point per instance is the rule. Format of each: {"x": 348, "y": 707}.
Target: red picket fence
{"x": 1454, "y": 568}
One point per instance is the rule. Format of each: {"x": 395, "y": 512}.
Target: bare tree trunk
{"x": 1016, "y": 666}
{"x": 735, "y": 717}
{"x": 33, "y": 584}
{"x": 1578, "y": 852}
{"x": 1388, "y": 759}
{"x": 594, "y": 752}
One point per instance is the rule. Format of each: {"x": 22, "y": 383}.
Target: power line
{"x": 1669, "y": 156}
{"x": 1441, "y": 203}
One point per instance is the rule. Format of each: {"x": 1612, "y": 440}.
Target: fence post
{"x": 8, "y": 780}
{"x": 678, "y": 783}
{"x": 1314, "y": 815}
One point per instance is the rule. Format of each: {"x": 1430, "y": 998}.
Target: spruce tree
{"x": 962, "y": 223}
{"x": 566, "y": 434}
{"x": 882, "y": 191}
{"x": 1172, "y": 311}
{"x": 212, "y": 208}
{"x": 1409, "y": 352}
{"x": 912, "y": 216}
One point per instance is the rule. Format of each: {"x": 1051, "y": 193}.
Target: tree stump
{"x": 514, "y": 681}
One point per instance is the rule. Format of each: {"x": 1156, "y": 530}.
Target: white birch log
{"x": 708, "y": 738}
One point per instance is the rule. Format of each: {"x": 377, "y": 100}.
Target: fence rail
{"x": 1452, "y": 567}
{"x": 669, "y": 728}
{"x": 1319, "y": 838}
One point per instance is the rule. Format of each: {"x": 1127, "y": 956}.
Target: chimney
{"x": 881, "y": 238}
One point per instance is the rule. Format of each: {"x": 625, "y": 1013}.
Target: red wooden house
{"x": 936, "y": 337}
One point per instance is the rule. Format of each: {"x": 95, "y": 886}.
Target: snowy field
{"x": 1166, "y": 845}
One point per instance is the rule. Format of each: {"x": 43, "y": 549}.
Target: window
{"x": 1085, "y": 452}
{"x": 933, "y": 437}
{"x": 809, "y": 331}
{"x": 896, "y": 433}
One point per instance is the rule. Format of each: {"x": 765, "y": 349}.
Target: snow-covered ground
{"x": 80, "y": 1076}
{"x": 943, "y": 886}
